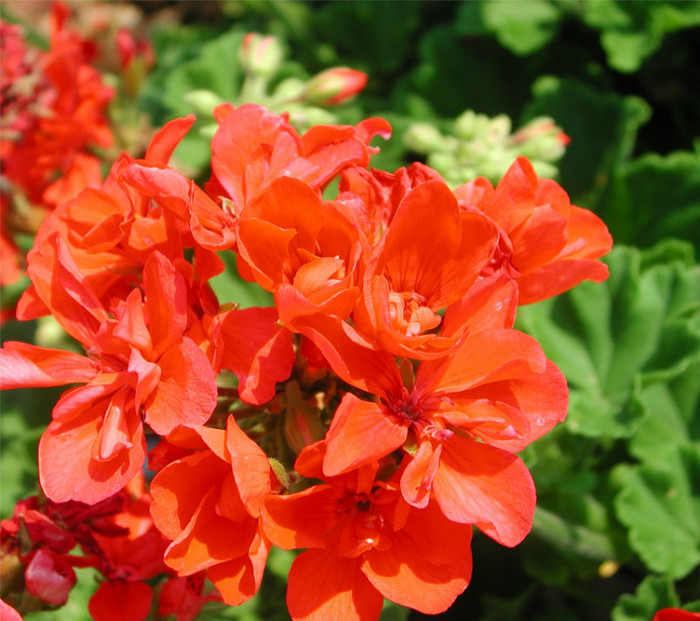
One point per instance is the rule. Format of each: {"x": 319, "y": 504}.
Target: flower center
{"x": 407, "y": 406}
{"x": 410, "y": 314}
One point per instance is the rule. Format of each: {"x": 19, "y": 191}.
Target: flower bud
{"x": 540, "y": 126}
{"x": 49, "y": 578}
{"x": 424, "y": 138}
{"x": 469, "y": 125}
{"x": 302, "y": 422}
{"x": 260, "y": 55}
{"x": 540, "y": 139}
{"x": 203, "y": 101}
{"x": 129, "y": 49}
{"x": 334, "y": 86}
{"x": 136, "y": 59}
{"x": 443, "y": 162}
{"x": 499, "y": 130}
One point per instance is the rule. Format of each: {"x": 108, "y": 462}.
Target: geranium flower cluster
{"x": 371, "y": 417}
{"x": 54, "y": 114}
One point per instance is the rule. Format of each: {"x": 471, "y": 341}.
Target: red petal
{"x": 167, "y": 138}
{"x": 323, "y": 586}
{"x": 369, "y": 370}
{"x": 676, "y": 614}
{"x": 67, "y": 470}
{"x": 24, "y": 365}
{"x": 148, "y": 374}
{"x": 120, "y": 600}
{"x": 62, "y": 287}
{"x": 257, "y": 350}
{"x": 530, "y": 406}
{"x": 291, "y": 303}
{"x": 555, "y": 278}
{"x": 166, "y": 302}
{"x": 238, "y": 580}
{"x": 331, "y": 148}
{"x": 114, "y": 435}
{"x": 251, "y": 467}
{"x": 440, "y": 272}
{"x": 265, "y": 248}
{"x": 301, "y": 520}
{"x": 417, "y": 478}
{"x": 539, "y": 238}
{"x": 411, "y": 256}
{"x": 8, "y": 613}
{"x": 290, "y": 204}
{"x": 404, "y": 575}
{"x": 586, "y": 227}
{"x": 482, "y": 485}
{"x": 361, "y": 432}
{"x": 491, "y": 302}
{"x": 513, "y": 198}
{"x": 209, "y": 539}
{"x": 186, "y": 393}
{"x": 488, "y": 356}
{"x": 242, "y": 161}
{"x": 132, "y": 324}
{"x": 177, "y": 490}
{"x": 49, "y": 578}
{"x": 211, "y": 225}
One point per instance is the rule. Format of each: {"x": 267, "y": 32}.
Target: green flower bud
{"x": 426, "y": 138}
{"x": 261, "y": 55}
{"x": 203, "y": 102}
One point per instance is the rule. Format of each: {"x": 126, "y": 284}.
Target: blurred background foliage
{"x": 617, "y": 530}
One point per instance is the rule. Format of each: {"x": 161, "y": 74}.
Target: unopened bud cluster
{"x": 306, "y": 101}
{"x": 478, "y": 145}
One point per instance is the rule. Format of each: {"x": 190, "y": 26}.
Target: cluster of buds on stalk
{"x": 477, "y": 145}
{"x": 261, "y": 59}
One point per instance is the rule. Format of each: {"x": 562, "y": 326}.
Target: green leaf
{"x": 383, "y": 33}
{"x": 393, "y": 612}
{"x": 653, "y": 594}
{"x": 469, "y": 20}
{"x": 18, "y": 456}
{"x": 660, "y": 505}
{"x": 655, "y": 197}
{"x": 216, "y": 68}
{"x": 522, "y": 27}
{"x": 613, "y": 339}
{"x": 451, "y": 66}
{"x": 174, "y": 45}
{"x": 602, "y": 126}
{"x": 632, "y": 31}
{"x": 669, "y": 423}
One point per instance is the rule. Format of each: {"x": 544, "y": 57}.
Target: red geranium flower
{"x": 208, "y": 504}
{"x": 252, "y": 147}
{"x": 427, "y": 259}
{"x": 301, "y": 248}
{"x": 366, "y": 543}
{"x": 458, "y": 421}
{"x": 547, "y": 243}
{"x": 141, "y": 364}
